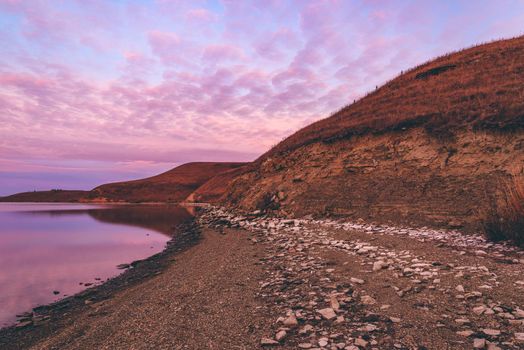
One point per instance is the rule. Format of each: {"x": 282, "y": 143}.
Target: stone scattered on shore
{"x": 334, "y": 314}
{"x": 268, "y": 342}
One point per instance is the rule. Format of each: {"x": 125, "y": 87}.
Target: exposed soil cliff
{"x": 430, "y": 147}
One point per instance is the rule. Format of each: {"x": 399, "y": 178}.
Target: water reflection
{"x": 54, "y": 247}
{"x": 160, "y": 218}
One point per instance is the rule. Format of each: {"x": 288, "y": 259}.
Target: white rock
{"x": 462, "y": 321}
{"x": 356, "y": 280}
{"x": 280, "y": 335}
{"x": 361, "y": 342}
{"x": 479, "y": 310}
{"x": 323, "y": 342}
{"x": 306, "y": 329}
{"x": 290, "y": 321}
{"x": 340, "y": 319}
{"x": 367, "y": 300}
{"x": 368, "y": 328}
{"x": 268, "y": 342}
{"x": 519, "y": 337}
{"x": 479, "y": 343}
{"x": 466, "y": 333}
{"x": 491, "y": 332}
{"x": 379, "y": 265}
{"x": 519, "y": 313}
{"x": 335, "y": 305}
{"x": 327, "y": 313}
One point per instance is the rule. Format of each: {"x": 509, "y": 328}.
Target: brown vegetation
{"x": 505, "y": 219}
{"x": 479, "y": 88}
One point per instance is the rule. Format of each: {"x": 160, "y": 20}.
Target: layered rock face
{"x": 436, "y": 146}
{"x": 405, "y": 176}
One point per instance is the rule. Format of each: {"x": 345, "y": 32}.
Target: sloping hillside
{"x": 213, "y": 189}
{"x": 433, "y": 146}
{"x": 172, "y": 186}
{"x": 479, "y": 89}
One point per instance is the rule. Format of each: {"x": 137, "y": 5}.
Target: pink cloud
{"x": 275, "y": 45}
{"x": 109, "y": 81}
{"x": 217, "y": 53}
{"x": 201, "y": 15}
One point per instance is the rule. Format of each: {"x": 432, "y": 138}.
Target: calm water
{"x": 60, "y": 247}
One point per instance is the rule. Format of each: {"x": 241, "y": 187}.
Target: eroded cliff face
{"x": 407, "y": 176}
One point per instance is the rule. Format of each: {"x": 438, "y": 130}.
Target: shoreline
{"x": 253, "y": 281}
{"x": 44, "y": 320}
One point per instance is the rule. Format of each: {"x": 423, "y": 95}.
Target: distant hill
{"x": 46, "y": 196}
{"x": 174, "y": 185}
{"x": 436, "y": 146}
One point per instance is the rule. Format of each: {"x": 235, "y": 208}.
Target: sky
{"x": 94, "y": 91}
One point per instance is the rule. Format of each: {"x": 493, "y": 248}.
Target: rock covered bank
{"x": 342, "y": 285}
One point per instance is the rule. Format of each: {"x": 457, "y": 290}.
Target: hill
{"x": 212, "y": 190}
{"x": 433, "y": 146}
{"x": 172, "y": 186}
{"x": 46, "y": 196}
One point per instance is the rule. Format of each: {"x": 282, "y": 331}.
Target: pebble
{"x": 330, "y": 297}
{"x": 327, "y": 313}
{"x": 466, "y": 333}
{"x": 479, "y": 310}
{"x": 367, "y": 300}
{"x": 519, "y": 337}
{"x": 479, "y": 343}
{"x": 268, "y": 342}
{"x": 491, "y": 332}
{"x": 322, "y": 342}
{"x": 356, "y": 280}
{"x": 379, "y": 265}
{"x": 280, "y": 335}
{"x": 361, "y": 342}
{"x": 291, "y": 321}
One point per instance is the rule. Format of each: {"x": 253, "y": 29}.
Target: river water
{"x": 48, "y": 251}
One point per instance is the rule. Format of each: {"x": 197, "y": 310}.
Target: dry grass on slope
{"x": 171, "y": 186}
{"x": 478, "y": 88}
{"x": 505, "y": 220}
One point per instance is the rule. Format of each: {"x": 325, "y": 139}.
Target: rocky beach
{"x": 250, "y": 281}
